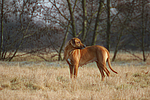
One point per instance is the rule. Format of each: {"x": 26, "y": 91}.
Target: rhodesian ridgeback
{"x": 76, "y": 54}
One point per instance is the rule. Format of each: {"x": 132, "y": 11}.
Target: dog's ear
{"x": 72, "y": 42}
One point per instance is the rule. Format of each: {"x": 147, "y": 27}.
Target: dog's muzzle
{"x": 83, "y": 46}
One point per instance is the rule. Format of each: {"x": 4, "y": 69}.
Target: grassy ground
{"x": 50, "y": 81}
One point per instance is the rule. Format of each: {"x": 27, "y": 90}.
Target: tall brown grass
{"x": 43, "y": 82}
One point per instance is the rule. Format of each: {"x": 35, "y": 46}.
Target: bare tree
{"x": 43, "y": 25}
{"x": 16, "y": 28}
{"x": 72, "y": 18}
{"x": 132, "y": 18}
{"x": 63, "y": 43}
{"x": 1, "y": 38}
{"x": 84, "y": 20}
{"x": 108, "y": 25}
{"x": 143, "y": 30}
{"x": 96, "y": 22}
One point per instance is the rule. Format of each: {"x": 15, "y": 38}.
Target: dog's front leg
{"x": 76, "y": 70}
{"x": 71, "y": 70}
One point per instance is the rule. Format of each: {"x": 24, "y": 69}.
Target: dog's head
{"x": 76, "y": 43}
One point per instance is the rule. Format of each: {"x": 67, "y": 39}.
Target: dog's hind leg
{"x": 105, "y": 69}
{"x": 101, "y": 71}
{"x": 102, "y": 67}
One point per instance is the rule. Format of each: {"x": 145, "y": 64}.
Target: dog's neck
{"x": 70, "y": 48}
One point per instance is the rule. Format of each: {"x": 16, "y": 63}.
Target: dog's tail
{"x": 108, "y": 60}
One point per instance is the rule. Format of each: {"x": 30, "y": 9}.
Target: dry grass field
{"x": 50, "y": 81}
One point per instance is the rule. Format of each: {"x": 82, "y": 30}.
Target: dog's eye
{"x": 78, "y": 42}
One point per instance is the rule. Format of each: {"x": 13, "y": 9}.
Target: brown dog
{"x": 76, "y": 56}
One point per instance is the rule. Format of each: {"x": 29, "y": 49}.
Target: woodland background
{"x": 39, "y": 27}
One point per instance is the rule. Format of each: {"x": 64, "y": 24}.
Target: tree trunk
{"x": 108, "y": 25}
{"x": 143, "y": 31}
{"x": 117, "y": 46}
{"x": 96, "y": 23}
{"x": 84, "y": 20}
{"x": 72, "y": 19}
{"x": 64, "y": 40}
{"x": 1, "y": 38}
